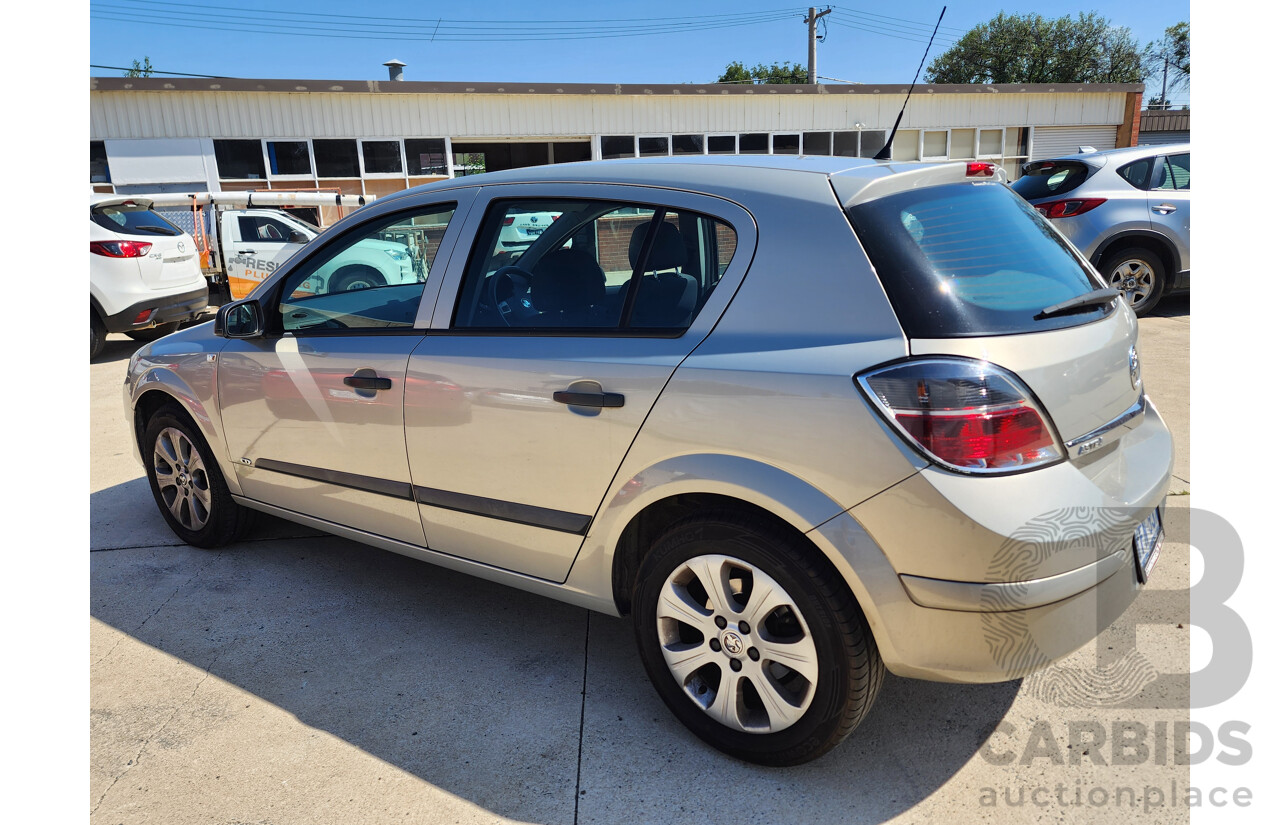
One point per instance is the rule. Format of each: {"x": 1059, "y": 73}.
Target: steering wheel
{"x": 502, "y": 291}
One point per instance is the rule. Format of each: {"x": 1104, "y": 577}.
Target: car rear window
{"x": 1047, "y": 178}
{"x": 966, "y": 259}
{"x": 131, "y": 219}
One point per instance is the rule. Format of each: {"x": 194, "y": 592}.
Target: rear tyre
{"x": 1138, "y": 274}
{"x": 158, "y": 331}
{"x": 97, "y": 334}
{"x": 187, "y": 485}
{"x": 752, "y": 641}
{"x": 356, "y": 277}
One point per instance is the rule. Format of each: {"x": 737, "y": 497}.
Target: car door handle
{"x": 248, "y": 252}
{"x": 1164, "y": 208}
{"x": 367, "y": 382}
{"x": 589, "y": 399}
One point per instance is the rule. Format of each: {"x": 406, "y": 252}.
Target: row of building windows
{"x": 356, "y": 159}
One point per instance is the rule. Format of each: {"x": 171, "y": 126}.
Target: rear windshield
{"x": 966, "y": 259}
{"x": 131, "y": 219}
{"x": 1047, "y": 178}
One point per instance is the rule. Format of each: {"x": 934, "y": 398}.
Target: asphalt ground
{"x": 302, "y": 678}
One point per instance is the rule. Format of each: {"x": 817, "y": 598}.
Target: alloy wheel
{"x": 182, "y": 478}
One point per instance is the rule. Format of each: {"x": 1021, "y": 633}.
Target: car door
{"x": 313, "y": 410}
{"x": 256, "y": 246}
{"x": 559, "y": 352}
{"x": 1170, "y": 202}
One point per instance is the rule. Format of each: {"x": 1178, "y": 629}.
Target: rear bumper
{"x": 987, "y": 579}
{"x": 167, "y": 309}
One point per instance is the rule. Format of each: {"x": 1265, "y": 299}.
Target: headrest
{"x": 668, "y": 248}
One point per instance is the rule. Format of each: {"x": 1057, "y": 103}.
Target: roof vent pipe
{"x": 395, "y": 69}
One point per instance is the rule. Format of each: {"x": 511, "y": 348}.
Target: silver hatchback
{"x": 803, "y": 419}
{"x": 1127, "y": 210}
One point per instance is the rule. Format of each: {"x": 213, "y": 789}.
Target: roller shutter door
{"x": 1055, "y": 141}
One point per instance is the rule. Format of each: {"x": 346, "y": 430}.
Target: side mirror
{"x": 239, "y": 320}
{"x": 298, "y": 236}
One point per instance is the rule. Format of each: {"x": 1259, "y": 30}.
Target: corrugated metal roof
{"x": 236, "y": 84}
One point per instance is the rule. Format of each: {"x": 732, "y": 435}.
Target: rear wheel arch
{"x": 1145, "y": 240}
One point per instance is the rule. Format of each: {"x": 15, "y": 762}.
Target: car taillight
{"x": 1068, "y": 208}
{"x": 119, "y": 249}
{"x": 979, "y": 170}
{"x": 508, "y": 220}
{"x": 966, "y": 415}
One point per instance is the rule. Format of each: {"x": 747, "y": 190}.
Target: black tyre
{"x": 156, "y": 332}
{"x": 97, "y": 334}
{"x": 187, "y": 484}
{"x": 1138, "y": 274}
{"x": 356, "y": 277}
{"x": 752, "y": 641}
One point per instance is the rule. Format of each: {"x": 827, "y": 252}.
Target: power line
{"x": 154, "y": 71}
{"x": 925, "y": 26}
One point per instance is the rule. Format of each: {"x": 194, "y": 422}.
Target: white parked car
{"x": 144, "y": 272}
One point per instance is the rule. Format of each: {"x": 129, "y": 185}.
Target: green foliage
{"x": 735, "y": 72}
{"x": 1030, "y": 48}
{"x": 1171, "y": 53}
{"x": 142, "y": 69}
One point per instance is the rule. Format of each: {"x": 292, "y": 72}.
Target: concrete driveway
{"x": 300, "y": 678}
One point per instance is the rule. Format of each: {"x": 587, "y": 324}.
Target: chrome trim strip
{"x": 395, "y": 489}
{"x": 504, "y": 510}
{"x": 1139, "y": 408}
{"x": 1000, "y": 597}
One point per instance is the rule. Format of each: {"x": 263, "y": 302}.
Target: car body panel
{"x": 167, "y": 275}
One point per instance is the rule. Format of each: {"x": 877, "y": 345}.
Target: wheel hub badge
{"x": 732, "y": 643}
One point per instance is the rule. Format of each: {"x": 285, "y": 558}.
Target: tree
{"x": 735, "y": 72}
{"x": 1167, "y": 63}
{"x": 1030, "y": 48}
{"x": 142, "y": 69}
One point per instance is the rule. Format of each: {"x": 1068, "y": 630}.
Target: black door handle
{"x": 367, "y": 382}
{"x": 589, "y": 399}
{"x": 248, "y": 252}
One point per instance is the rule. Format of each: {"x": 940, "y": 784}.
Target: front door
{"x": 313, "y": 411}
{"x": 558, "y": 352}
{"x": 1170, "y": 202}
{"x": 256, "y": 245}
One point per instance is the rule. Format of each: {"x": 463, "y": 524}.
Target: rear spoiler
{"x": 862, "y": 184}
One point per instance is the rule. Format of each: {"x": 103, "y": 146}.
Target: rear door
{"x": 1170, "y": 202}
{"x": 558, "y": 360}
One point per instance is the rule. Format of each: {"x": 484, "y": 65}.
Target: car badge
{"x": 182, "y": 247}
{"x": 533, "y": 219}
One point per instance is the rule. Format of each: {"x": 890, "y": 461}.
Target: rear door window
{"x": 1173, "y": 172}
{"x": 1050, "y": 178}
{"x": 132, "y": 219}
{"x": 966, "y": 259}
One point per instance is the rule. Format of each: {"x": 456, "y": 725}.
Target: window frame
{"x": 311, "y": 160}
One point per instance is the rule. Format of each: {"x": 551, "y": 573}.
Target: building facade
{"x": 379, "y": 137}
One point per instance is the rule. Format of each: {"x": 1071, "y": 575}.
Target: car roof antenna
{"x": 885, "y": 150}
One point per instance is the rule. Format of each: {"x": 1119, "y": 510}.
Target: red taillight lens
{"x": 980, "y": 170}
{"x": 1069, "y": 207}
{"x": 508, "y": 220}
{"x": 143, "y": 316}
{"x": 119, "y": 249}
{"x": 966, "y": 415}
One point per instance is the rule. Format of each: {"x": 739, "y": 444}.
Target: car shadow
{"x": 1173, "y": 306}
{"x": 478, "y": 689}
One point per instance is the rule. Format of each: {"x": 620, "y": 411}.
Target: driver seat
{"x": 566, "y": 285}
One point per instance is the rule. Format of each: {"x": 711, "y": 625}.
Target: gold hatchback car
{"x": 803, "y": 419}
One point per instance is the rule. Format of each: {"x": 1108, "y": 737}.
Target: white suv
{"x": 144, "y": 272}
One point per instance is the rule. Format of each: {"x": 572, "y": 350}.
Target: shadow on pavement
{"x": 1174, "y": 306}
{"x": 477, "y": 688}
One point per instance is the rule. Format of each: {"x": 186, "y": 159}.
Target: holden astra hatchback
{"x": 802, "y": 419}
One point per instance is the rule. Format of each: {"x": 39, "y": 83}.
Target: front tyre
{"x": 752, "y": 640}
{"x": 187, "y": 485}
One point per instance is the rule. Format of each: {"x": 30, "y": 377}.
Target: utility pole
{"x": 812, "y": 20}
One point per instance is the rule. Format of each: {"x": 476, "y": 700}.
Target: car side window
{"x": 560, "y": 265}
{"x": 1175, "y": 173}
{"x": 366, "y": 280}
{"x": 262, "y": 228}
{"x": 1136, "y": 174}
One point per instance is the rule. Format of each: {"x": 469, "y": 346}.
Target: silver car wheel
{"x": 736, "y": 643}
{"x": 1135, "y": 279}
{"x": 182, "y": 479}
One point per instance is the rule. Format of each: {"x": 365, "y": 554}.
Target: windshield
{"x": 969, "y": 259}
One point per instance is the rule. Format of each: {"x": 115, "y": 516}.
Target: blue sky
{"x": 336, "y": 39}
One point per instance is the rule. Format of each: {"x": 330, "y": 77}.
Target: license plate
{"x": 529, "y": 230}
{"x": 1147, "y": 540}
